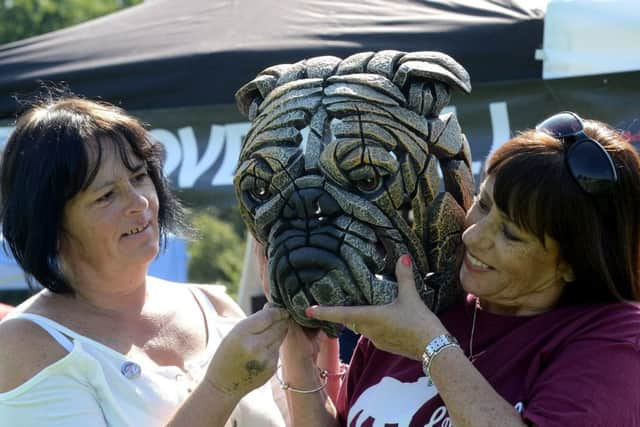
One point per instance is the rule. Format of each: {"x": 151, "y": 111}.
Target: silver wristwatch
{"x": 434, "y": 347}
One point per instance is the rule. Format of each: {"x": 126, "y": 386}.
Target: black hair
{"x": 53, "y": 154}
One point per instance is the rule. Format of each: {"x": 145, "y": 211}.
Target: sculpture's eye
{"x": 254, "y": 183}
{"x": 369, "y": 184}
{"x": 260, "y": 192}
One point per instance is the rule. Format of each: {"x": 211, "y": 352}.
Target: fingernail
{"x": 309, "y": 311}
{"x": 406, "y": 260}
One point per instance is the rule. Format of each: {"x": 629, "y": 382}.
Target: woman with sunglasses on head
{"x": 549, "y": 331}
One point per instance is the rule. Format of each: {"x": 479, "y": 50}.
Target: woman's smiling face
{"x": 507, "y": 267}
{"x": 114, "y": 222}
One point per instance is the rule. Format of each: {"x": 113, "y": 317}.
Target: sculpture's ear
{"x": 250, "y": 96}
{"x": 427, "y": 79}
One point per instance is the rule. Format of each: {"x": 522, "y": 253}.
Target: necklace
{"x": 473, "y": 328}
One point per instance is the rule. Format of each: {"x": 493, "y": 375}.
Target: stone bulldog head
{"x": 340, "y": 174}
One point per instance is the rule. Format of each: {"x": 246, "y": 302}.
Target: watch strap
{"x": 434, "y": 347}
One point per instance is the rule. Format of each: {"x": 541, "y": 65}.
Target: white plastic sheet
{"x": 588, "y": 37}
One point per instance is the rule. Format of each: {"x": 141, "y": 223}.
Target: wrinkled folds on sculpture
{"x": 340, "y": 174}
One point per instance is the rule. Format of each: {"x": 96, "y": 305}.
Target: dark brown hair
{"x": 598, "y": 235}
{"x": 54, "y": 153}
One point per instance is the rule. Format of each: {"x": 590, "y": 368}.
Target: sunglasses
{"x": 587, "y": 160}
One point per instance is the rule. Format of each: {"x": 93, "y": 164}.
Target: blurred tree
{"x": 20, "y": 19}
{"x": 231, "y": 214}
{"x": 217, "y": 255}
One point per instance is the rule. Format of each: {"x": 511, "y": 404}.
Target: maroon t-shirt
{"x": 575, "y": 366}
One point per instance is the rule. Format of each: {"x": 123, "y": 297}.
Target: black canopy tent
{"x": 177, "y": 65}
{"x": 167, "y": 54}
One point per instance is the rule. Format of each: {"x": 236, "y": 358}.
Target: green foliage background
{"x": 20, "y": 19}
{"x": 216, "y": 255}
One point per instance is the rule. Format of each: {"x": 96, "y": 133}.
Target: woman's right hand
{"x": 302, "y": 345}
{"x": 305, "y": 352}
{"x": 248, "y": 355}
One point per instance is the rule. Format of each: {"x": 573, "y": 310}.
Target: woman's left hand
{"x": 248, "y": 354}
{"x": 403, "y": 327}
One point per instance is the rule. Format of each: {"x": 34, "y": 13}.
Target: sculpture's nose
{"x": 308, "y": 204}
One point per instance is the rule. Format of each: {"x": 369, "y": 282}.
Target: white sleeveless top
{"x": 95, "y": 385}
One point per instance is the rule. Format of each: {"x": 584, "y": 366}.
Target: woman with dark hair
{"x": 84, "y": 208}
{"x": 549, "y": 332}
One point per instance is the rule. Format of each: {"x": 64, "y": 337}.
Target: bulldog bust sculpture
{"x": 349, "y": 164}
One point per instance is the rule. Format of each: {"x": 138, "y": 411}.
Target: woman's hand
{"x": 301, "y": 350}
{"x": 302, "y": 345}
{"x": 403, "y": 327}
{"x": 305, "y": 352}
{"x": 248, "y": 355}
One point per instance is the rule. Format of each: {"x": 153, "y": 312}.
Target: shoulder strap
{"x": 205, "y": 303}
{"x": 217, "y": 326}
{"x": 50, "y": 326}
